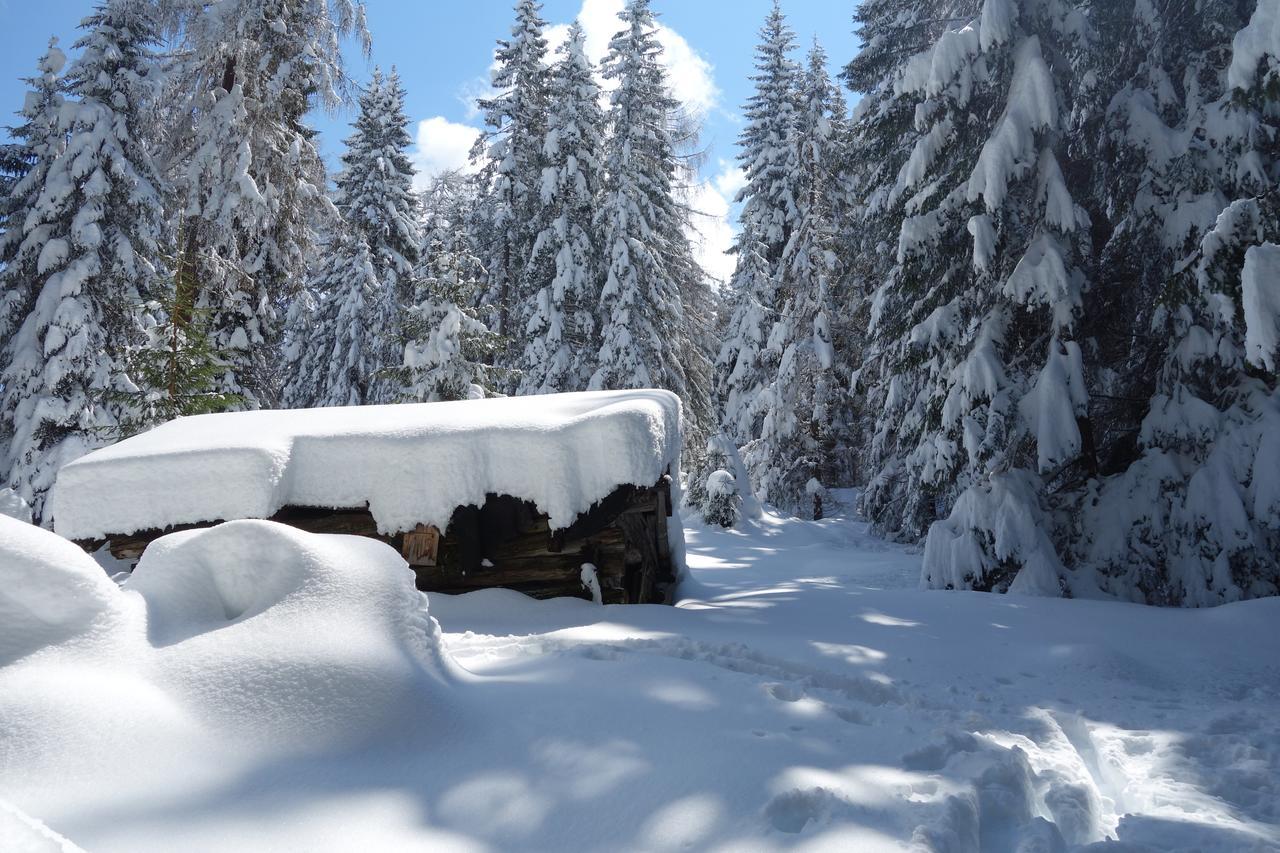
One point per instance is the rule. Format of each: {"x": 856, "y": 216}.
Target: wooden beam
{"x": 624, "y": 536}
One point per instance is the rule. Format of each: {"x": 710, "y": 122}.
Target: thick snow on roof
{"x": 411, "y": 464}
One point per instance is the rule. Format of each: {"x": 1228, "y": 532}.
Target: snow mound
{"x": 409, "y": 464}
{"x": 264, "y": 626}
{"x": 50, "y": 590}
{"x": 248, "y": 644}
{"x": 13, "y": 506}
{"x": 21, "y": 833}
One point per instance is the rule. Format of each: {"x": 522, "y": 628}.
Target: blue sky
{"x": 443, "y": 49}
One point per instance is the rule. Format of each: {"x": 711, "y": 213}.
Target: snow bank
{"x": 229, "y": 645}
{"x": 13, "y": 506}
{"x": 21, "y": 833}
{"x": 258, "y": 622}
{"x": 800, "y": 697}
{"x": 410, "y": 464}
{"x": 50, "y": 590}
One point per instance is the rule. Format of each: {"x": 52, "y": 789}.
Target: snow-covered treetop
{"x": 375, "y": 188}
{"x": 766, "y": 151}
{"x": 250, "y": 32}
{"x": 516, "y": 112}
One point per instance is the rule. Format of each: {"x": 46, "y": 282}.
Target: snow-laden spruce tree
{"x": 376, "y": 198}
{"x": 447, "y": 349}
{"x": 1107, "y": 437}
{"x": 95, "y": 230}
{"x": 742, "y": 365}
{"x": 511, "y": 154}
{"x": 335, "y": 337}
{"x": 769, "y": 213}
{"x": 798, "y": 450}
{"x": 1190, "y": 513}
{"x": 563, "y": 275}
{"x": 447, "y": 346}
{"x": 39, "y": 140}
{"x": 249, "y": 181}
{"x": 767, "y": 151}
{"x": 972, "y": 362}
{"x": 647, "y": 337}
{"x": 303, "y": 359}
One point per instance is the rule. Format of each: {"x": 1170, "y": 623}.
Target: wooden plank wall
{"x": 508, "y": 543}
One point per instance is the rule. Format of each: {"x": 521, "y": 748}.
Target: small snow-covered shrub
{"x": 724, "y": 504}
{"x": 817, "y": 494}
{"x": 994, "y": 540}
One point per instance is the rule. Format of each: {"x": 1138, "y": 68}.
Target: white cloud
{"x": 470, "y": 92}
{"x": 714, "y": 234}
{"x": 731, "y": 179}
{"x": 442, "y": 145}
{"x": 692, "y": 77}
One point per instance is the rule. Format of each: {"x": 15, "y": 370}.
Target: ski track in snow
{"x": 804, "y": 694}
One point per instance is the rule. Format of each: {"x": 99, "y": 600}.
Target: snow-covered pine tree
{"x": 648, "y": 339}
{"x": 699, "y": 492}
{"x": 448, "y": 351}
{"x": 767, "y": 151}
{"x": 447, "y": 346}
{"x": 250, "y": 182}
{"x": 1128, "y": 460}
{"x": 742, "y": 364}
{"x": 98, "y": 224}
{"x": 174, "y": 369}
{"x": 376, "y": 198}
{"x": 563, "y": 275}
{"x": 799, "y": 449}
{"x": 512, "y": 157}
{"x": 338, "y": 356}
{"x": 304, "y": 325}
{"x": 769, "y": 213}
{"x": 972, "y": 363}
{"x": 13, "y": 165}
{"x": 1187, "y": 315}
{"x": 723, "y": 503}
{"x": 39, "y": 140}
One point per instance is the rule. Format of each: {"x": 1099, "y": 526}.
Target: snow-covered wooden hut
{"x": 518, "y": 492}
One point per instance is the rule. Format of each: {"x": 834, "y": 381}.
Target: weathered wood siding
{"x": 508, "y": 543}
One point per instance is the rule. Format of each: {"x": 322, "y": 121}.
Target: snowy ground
{"x": 803, "y": 695}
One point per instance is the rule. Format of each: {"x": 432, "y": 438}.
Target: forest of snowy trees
{"x": 1014, "y": 270}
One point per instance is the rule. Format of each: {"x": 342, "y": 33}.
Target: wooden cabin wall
{"x": 507, "y": 543}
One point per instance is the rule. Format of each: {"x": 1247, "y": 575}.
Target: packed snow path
{"x": 803, "y": 695}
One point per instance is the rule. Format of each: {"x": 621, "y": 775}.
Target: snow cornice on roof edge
{"x": 410, "y": 464}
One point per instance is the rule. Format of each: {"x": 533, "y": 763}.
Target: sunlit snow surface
{"x": 289, "y": 693}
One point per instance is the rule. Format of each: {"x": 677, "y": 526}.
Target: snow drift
{"x": 250, "y": 637}
{"x": 409, "y": 464}
{"x": 50, "y": 591}
{"x": 257, "y": 622}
